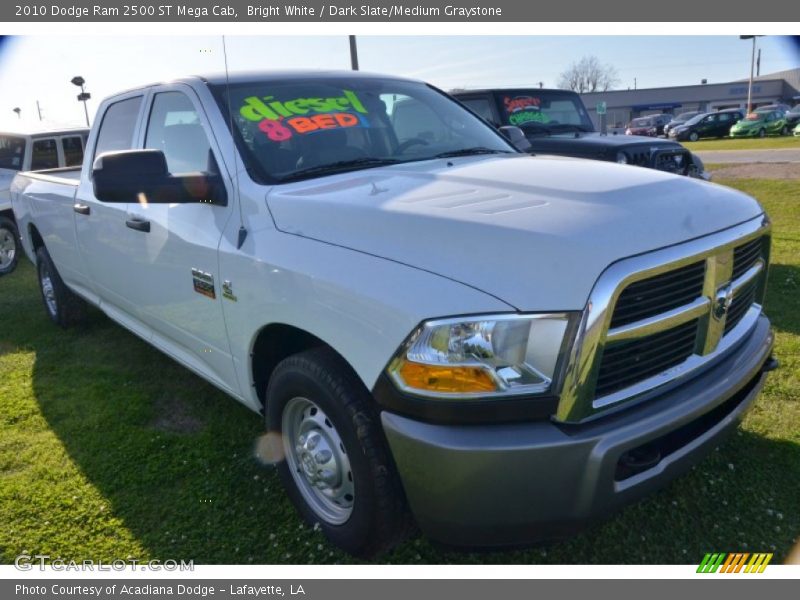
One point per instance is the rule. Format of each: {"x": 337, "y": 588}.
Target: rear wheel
{"x": 785, "y": 130}
{"x": 9, "y": 246}
{"x": 693, "y": 137}
{"x": 336, "y": 465}
{"x": 762, "y": 133}
{"x": 61, "y": 304}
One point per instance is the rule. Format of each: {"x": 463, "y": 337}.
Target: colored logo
{"x": 735, "y": 562}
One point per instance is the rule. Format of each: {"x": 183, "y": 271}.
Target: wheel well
{"x": 36, "y": 238}
{"x": 274, "y": 343}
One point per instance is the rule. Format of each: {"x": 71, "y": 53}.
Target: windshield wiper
{"x": 343, "y": 165}
{"x": 470, "y": 152}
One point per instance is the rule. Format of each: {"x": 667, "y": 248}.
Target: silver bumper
{"x": 516, "y": 483}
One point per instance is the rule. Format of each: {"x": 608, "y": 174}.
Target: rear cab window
{"x": 72, "y": 147}
{"x": 44, "y": 154}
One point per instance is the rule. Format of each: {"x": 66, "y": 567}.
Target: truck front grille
{"x": 625, "y": 363}
{"x": 656, "y": 295}
{"x": 654, "y": 318}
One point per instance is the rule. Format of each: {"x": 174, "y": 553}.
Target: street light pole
{"x": 353, "y": 53}
{"x": 752, "y": 68}
{"x": 83, "y": 96}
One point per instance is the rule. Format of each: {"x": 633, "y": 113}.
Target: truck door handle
{"x": 138, "y": 225}
{"x": 82, "y": 209}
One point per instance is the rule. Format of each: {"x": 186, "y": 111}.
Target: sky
{"x": 40, "y": 67}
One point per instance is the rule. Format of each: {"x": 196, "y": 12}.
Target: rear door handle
{"x": 82, "y": 209}
{"x": 138, "y": 224}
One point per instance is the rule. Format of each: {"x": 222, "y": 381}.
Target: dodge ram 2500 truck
{"x": 30, "y": 152}
{"x": 432, "y": 323}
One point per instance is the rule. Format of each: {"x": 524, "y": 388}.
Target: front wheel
{"x": 785, "y": 130}
{"x": 693, "y": 137}
{"x": 762, "y": 133}
{"x": 336, "y": 466}
{"x": 9, "y": 246}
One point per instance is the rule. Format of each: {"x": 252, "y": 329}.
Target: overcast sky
{"x": 40, "y": 67}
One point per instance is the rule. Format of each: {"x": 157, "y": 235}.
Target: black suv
{"x": 705, "y": 125}
{"x": 556, "y": 122}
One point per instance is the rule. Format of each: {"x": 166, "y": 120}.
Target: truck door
{"x": 171, "y": 249}
{"x": 99, "y": 225}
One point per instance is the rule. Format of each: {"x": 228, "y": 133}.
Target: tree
{"x": 588, "y": 75}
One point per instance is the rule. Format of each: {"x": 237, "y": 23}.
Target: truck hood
{"x": 535, "y": 232}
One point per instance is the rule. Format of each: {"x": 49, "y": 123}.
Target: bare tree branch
{"x": 588, "y": 75}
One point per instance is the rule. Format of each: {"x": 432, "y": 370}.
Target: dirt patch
{"x": 786, "y": 170}
{"x": 174, "y": 416}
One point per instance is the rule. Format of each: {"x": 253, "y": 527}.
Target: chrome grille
{"x": 625, "y": 363}
{"x": 654, "y": 318}
{"x": 655, "y": 295}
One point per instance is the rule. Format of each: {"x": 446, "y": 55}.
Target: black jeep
{"x": 556, "y": 122}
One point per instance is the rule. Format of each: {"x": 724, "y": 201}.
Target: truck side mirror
{"x": 142, "y": 176}
{"x": 516, "y": 136}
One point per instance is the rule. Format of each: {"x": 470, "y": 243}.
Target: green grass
{"x": 767, "y": 143}
{"x": 108, "y": 449}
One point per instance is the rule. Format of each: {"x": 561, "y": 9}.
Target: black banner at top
{"x": 397, "y": 11}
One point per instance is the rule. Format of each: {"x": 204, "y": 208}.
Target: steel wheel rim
{"x": 318, "y": 461}
{"x": 48, "y": 291}
{"x": 8, "y": 248}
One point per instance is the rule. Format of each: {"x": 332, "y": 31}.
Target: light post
{"x": 752, "y": 67}
{"x": 353, "y": 53}
{"x": 83, "y": 96}
{"x": 18, "y": 110}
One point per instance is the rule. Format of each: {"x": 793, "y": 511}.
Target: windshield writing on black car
{"x": 543, "y": 111}
{"x": 293, "y": 130}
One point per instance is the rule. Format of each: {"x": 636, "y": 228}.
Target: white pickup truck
{"x": 432, "y": 323}
{"x": 31, "y": 152}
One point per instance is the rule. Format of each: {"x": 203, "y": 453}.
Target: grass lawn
{"x": 108, "y": 449}
{"x": 767, "y": 143}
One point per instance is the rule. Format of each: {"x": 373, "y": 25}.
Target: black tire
{"x": 60, "y": 303}
{"x": 762, "y": 133}
{"x": 693, "y": 137}
{"x": 379, "y": 518}
{"x": 10, "y": 246}
{"x": 785, "y": 130}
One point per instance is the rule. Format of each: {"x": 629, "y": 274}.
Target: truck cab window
{"x": 12, "y": 151}
{"x": 118, "y": 126}
{"x": 482, "y": 107}
{"x": 73, "y": 151}
{"x": 45, "y": 155}
{"x": 174, "y": 128}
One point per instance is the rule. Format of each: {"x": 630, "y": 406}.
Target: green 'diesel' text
{"x": 257, "y": 109}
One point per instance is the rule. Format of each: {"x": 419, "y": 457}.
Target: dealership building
{"x": 624, "y": 105}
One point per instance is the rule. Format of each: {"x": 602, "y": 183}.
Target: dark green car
{"x": 761, "y": 124}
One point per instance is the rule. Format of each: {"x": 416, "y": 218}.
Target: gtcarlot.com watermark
{"x": 28, "y": 562}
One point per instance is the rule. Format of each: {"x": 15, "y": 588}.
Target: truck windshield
{"x": 544, "y": 111}
{"x": 291, "y": 130}
{"x": 12, "y": 152}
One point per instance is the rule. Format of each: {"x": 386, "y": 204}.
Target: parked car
{"x": 680, "y": 120}
{"x": 779, "y": 107}
{"x": 761, "y": 124}
{"x": 650, "y": 126}
{"x": 556, "y": 122}
{"x": 793, "y": 116}
{"x": 713, "y": 124}
{"x": 426, "y": 318}
{"x": 797, "y": 130}
{"x": 24, "y": 152}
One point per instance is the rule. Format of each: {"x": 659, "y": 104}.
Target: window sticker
{"x": 280, "y": 120}
{"x": 524, "y": 109}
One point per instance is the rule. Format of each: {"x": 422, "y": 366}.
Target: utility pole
{"x": 353, "y": 53}
{"x": 758, "y": 64}
{"x": 39, "y": 110}
{"x": 634, "y": 83}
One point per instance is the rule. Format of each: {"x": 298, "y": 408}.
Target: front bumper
{"x": 505, "y": 484}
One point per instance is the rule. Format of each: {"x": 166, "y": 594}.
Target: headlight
{"x": 483, "y": 356}
{"x": 622, "y": 158}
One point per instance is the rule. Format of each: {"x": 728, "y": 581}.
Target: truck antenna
{"x": 242, "y": 230}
